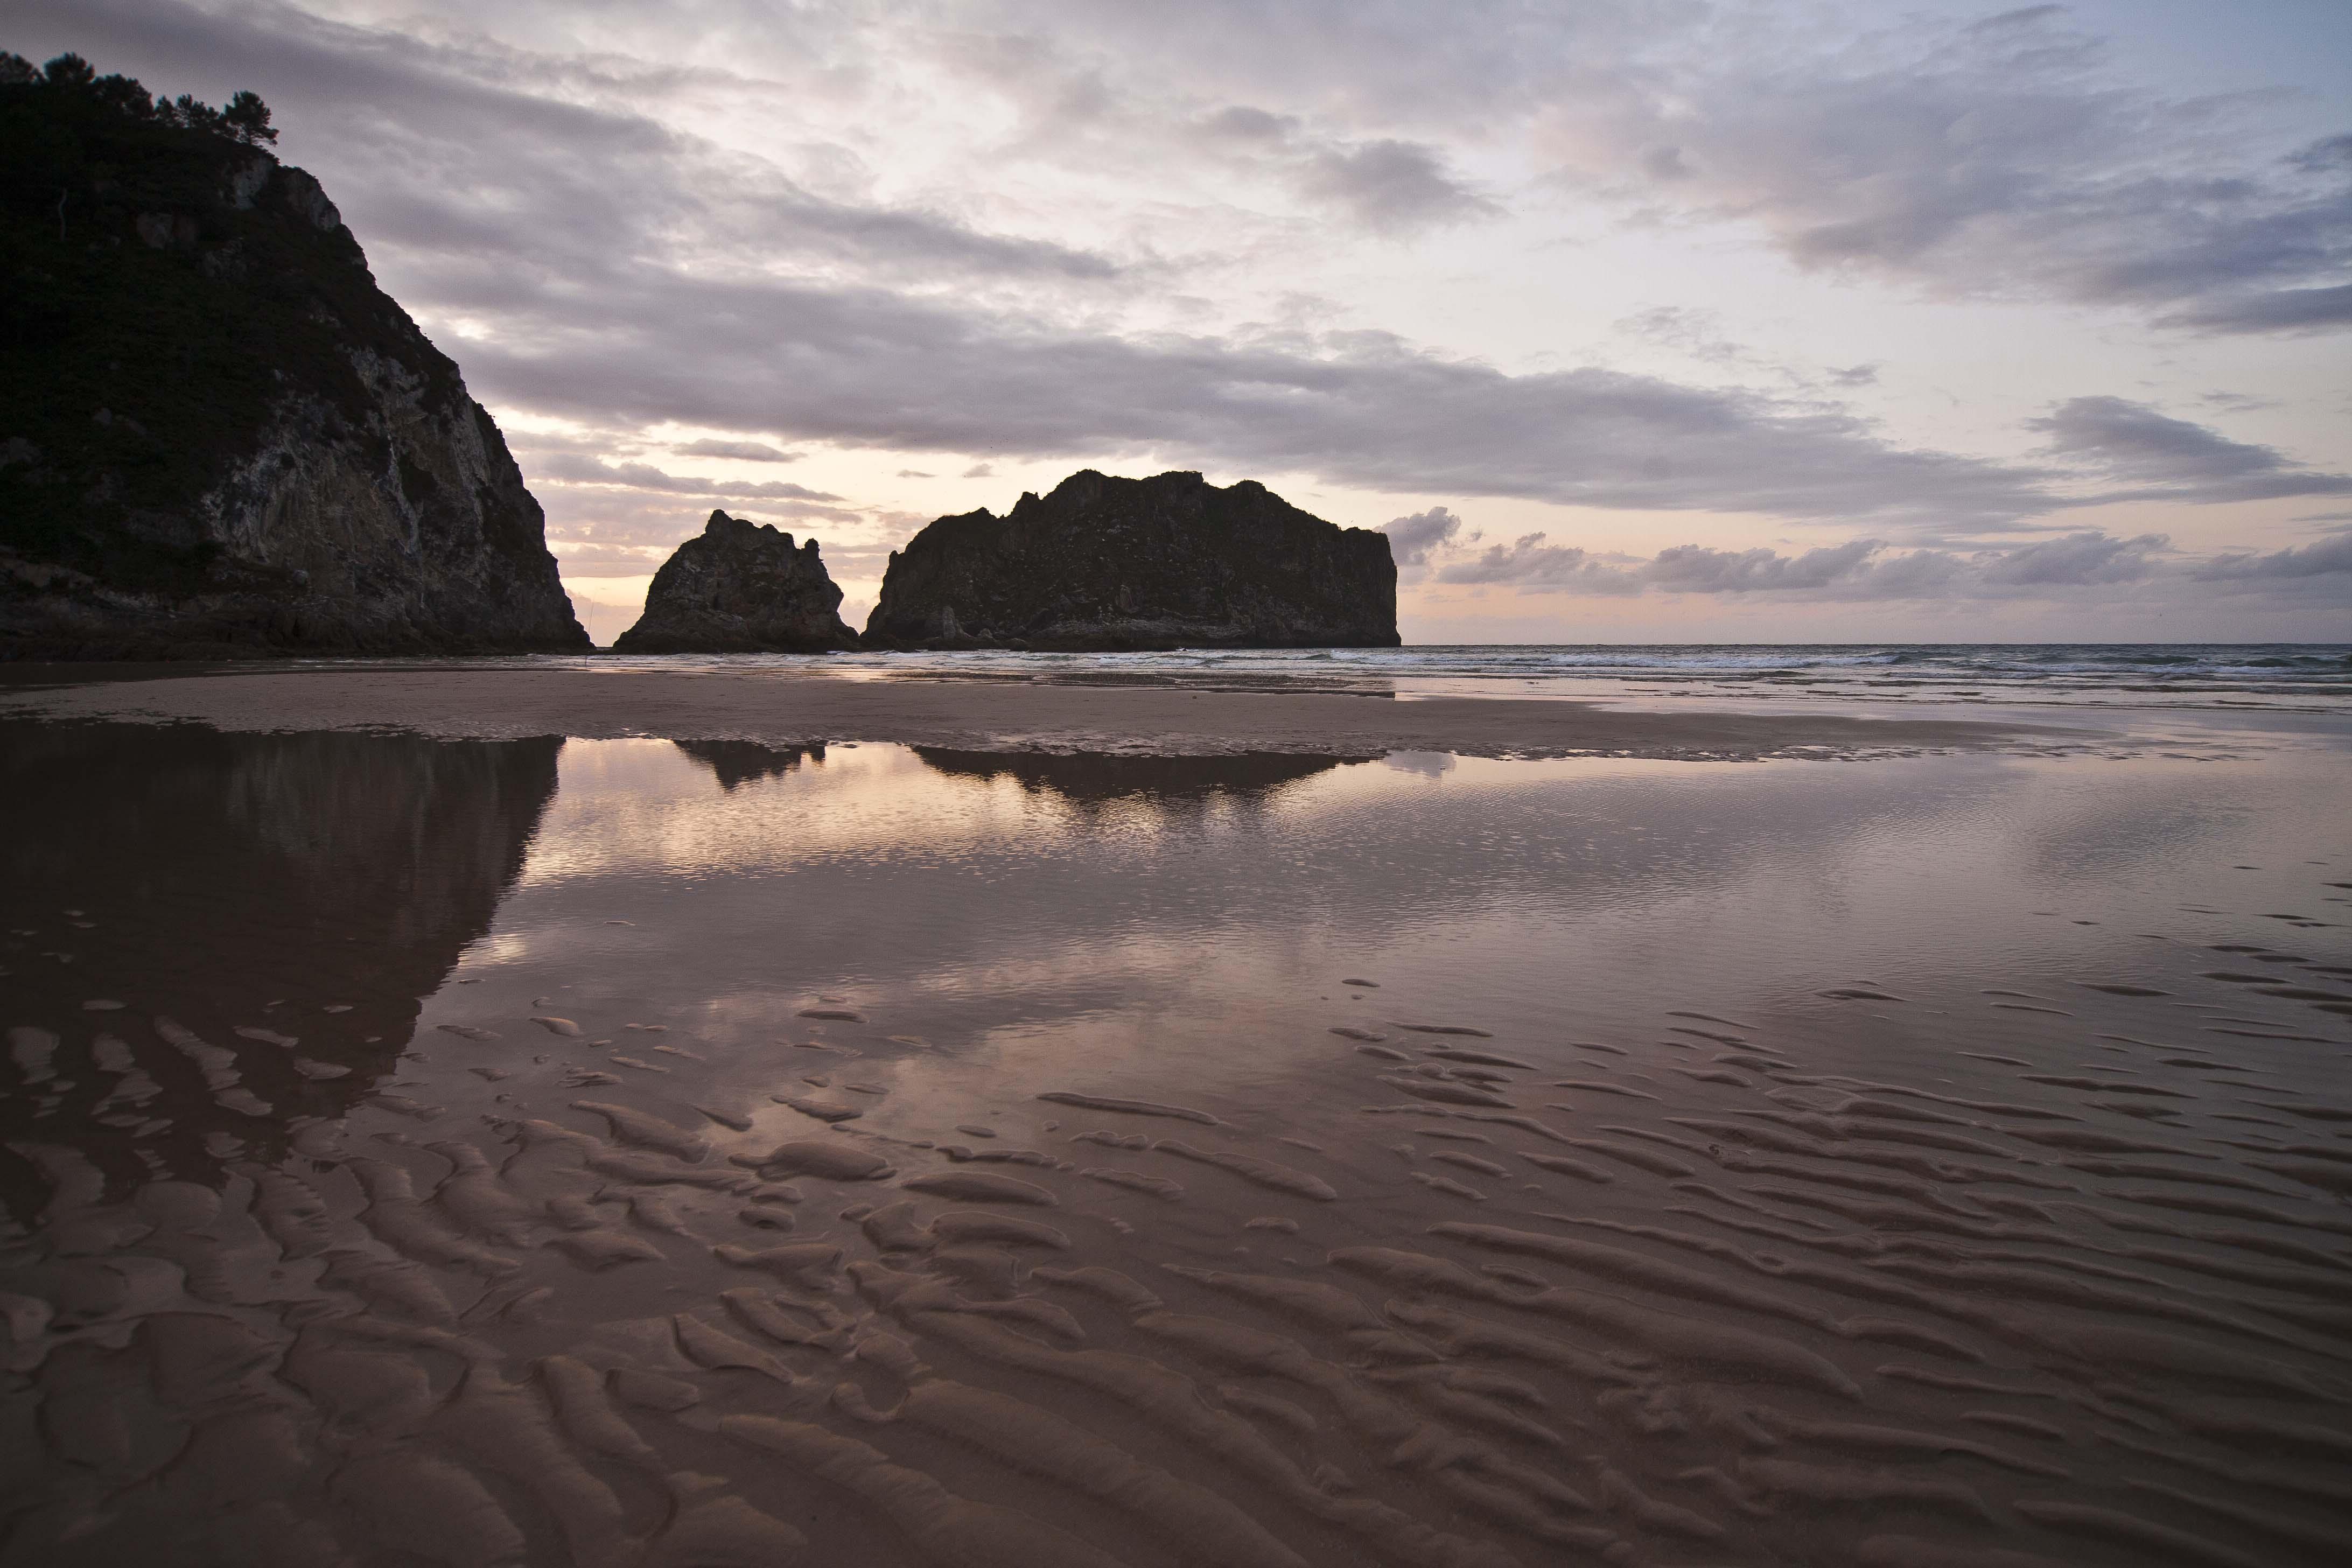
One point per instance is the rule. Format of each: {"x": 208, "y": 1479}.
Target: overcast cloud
{"x": 2069, "y": 567}
{"x": 1999, "y": 158}
{"x": 2171, "y": 458}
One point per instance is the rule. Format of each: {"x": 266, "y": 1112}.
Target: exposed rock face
{"x": 1167, "y": 562}
{"x": 217, "y": 435}
{"x": 741, "y": 587}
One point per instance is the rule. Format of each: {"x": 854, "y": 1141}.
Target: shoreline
{"x": 500, "y": 703}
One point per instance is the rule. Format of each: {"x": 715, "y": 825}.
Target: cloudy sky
{"x": 1667, "y": 319}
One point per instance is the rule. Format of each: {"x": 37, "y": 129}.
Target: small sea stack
{"x": 1107, "y": 563}
{"x": 740, "y": 586}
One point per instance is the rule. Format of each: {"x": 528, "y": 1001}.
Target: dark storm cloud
{"x": 2134, "y": 445}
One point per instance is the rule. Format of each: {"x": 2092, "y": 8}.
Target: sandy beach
{"x": 492, "y": 1115}
{"x": 802, "y": 708}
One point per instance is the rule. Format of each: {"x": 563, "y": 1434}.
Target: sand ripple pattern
{"x": 1737, "y": 1310}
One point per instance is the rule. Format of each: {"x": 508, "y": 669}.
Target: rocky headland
{"x": 1107, "y": 563}
{"x": 741, "y": 587}
{"x": 218, "y": 437}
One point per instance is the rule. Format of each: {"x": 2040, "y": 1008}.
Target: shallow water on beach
{"x": 627, "y": 1151}
{"x": 2279, "y": 678}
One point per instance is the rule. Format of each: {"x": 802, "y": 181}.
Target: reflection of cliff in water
{"x": 1093, "y": 778}
{"x": 747, "y": 761}
{"x": 267, "y": 909}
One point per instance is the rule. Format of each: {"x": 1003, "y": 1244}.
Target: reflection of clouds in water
{"x": 1010, "y": 890}
{"x": 639, "y": 806}
{"x": 1044, "y": 904}
{"x": 1431, "y": 763}
{"x": 2094, "y": 839}
{"x": 499, "y": 947}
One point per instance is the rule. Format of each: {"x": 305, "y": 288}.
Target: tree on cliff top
{"x": 155, "y": 301}
{"x": 245, "y": 117}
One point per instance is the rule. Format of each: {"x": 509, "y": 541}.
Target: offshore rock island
{"x": 1106, "y": 564}
{"x": 741, "y": 587}
{"x": 218, "y": 437}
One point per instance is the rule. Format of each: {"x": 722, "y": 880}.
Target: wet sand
{"x": 621, "y": 1151}
{"x": 781, "y": 709}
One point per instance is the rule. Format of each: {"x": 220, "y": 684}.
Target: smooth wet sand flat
{"x": 628, "y": 1151}
{"x": 786, "y": 708}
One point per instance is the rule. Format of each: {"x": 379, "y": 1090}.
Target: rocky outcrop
{"x": 741, "y": 587}
{"x": 1167, "y": 562}
{"x": 217, "y": 435}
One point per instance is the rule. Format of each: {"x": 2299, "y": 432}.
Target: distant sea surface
{"x": 2309, "y": 677}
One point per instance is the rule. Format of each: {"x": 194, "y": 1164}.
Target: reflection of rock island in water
{"x": 215, "y": 873}
{"x": 745, "y": 762}
{"x": 1087, "y": 778}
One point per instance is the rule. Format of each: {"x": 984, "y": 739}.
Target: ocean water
{"x": 2307, "y": 676}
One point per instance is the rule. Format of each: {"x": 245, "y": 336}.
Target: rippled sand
{"x": 624, "y": 1153}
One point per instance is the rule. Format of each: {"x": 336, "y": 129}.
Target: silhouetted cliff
{"x": 217, "y": 435}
